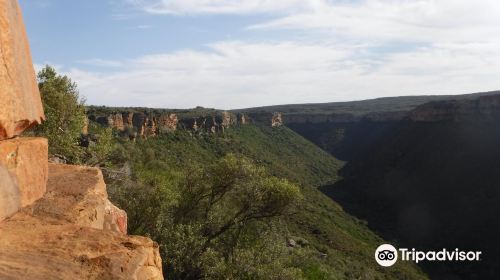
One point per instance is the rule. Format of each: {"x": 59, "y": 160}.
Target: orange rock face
{"x": 64, "y": 235}
{"x": 20, "y": 102}
{"x": 23, "y": 169}
{"x": 168, "y": 122}
{"x": 115, "y": 121}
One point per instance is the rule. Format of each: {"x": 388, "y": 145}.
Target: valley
{"x": 420, "y": 170}
{"x": 426, "y": 180}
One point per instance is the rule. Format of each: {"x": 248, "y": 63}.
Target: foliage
{"x": 157, "y": 195}
{"x": 100, "y": 145}
{"x": 210, "y": 221}
{"x": 65, "y": 120}
{"x": 65, "y": 113}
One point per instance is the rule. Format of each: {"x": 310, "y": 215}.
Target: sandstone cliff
{"x": 71, "y": 233}
{"x": 56, "y": 221}
{"x": 149, "y": 123}
{"x": 20, "y": 103}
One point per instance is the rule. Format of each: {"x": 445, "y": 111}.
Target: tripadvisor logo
{"x": 387, "y": 255}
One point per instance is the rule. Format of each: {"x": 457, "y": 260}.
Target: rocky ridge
{"x": 145, "y": 124}
{"x": 485, "y": 107}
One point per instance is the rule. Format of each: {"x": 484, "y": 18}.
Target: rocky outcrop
{"x": 66, "y": 235}
{"x": 145, "y": 125}
{"x": 127, "y": 119}
{"x": 116, "y": 122}
{"x": 228, "y": 119}
{"x": 242, "y": 119}
{"x": 150, "y": 124}
{"x": 167, "y": 123}
{"x": 277, "y": 120}
{"x": 56, "y": 221}
{"x": 23, "y": 162}
{"x": 212, "y": 123}
{"x": 23, "y": 169}
{"x": 150, "y": 128}
{"x": 20, "y": 102}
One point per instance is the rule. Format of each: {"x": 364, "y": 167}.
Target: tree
{"x": 65, "y": 114}
{"x": 66, "y": 118}
{"x": 212, "y": 220}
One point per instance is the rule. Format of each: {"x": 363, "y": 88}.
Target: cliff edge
{"x": 56, "y": 221}
{"x": 70, "y": 234}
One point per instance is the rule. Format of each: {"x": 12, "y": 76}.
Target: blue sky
{"x": 242, "y": 53}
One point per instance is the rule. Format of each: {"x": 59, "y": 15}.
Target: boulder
{"x": 75, "y": 194}
{"x": 23, "y": 173}
{"x": 20, "y": 102}
{"x": 61, "y": 236}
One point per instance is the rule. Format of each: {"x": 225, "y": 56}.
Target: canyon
{"x": 424, "y": 177}
{"x": 420, "y": 170}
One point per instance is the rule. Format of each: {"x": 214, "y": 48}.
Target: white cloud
{"x": 388, "y": 20}
{"x": 412, "y": 21}
{"x": 223, "y": 6}
{"x": 389, "y": 48}
{"x": 237, "y": 74}
{"x": 100, "y": 62}
{"x": 144, "y": 26}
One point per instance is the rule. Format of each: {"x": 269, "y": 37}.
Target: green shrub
{"x": 65, "y": 120}
{"x": 65, "y": 114}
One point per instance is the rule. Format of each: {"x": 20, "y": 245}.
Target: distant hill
{"x": 385, "y": 104}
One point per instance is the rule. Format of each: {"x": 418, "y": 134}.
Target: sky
{"x": 230, "y": 54}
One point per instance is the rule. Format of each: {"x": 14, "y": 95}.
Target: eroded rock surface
{"x": 277, "y": 120}
{"x": 23, "y": 173}
{"x": 61, "y": 236}
{"x": 20, "y": 102}
{"x": 115, "y": 219}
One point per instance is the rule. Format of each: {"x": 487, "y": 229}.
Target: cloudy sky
{"x": 244, "y": 53}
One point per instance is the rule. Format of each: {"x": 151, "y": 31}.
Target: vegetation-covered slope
{"x": 324, "y": 242}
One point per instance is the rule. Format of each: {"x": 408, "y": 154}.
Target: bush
{"x": 65, "y": 113}
{"x": 212, "y": 221}
{"x": 65, "y": 120}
